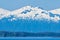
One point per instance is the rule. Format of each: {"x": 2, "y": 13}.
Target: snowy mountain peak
{"x": 26, "y": 8}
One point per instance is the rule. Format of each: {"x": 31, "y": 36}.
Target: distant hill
{"x": 27, "y": 34}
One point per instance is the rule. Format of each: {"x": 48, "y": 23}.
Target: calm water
{"x": 29, "y": 38}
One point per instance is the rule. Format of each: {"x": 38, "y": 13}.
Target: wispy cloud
{"x": 29, "y": 12}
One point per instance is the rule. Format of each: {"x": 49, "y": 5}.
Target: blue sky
{"x": 15, "y": 4}
{"x": 16, "y": 26}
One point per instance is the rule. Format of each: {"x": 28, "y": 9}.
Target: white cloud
{"x": 35, "y": 14}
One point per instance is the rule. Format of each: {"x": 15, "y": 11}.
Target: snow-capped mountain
{"x": 29, "y": 12}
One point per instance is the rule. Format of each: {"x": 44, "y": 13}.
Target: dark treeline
{"x": 27, "y": 34}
